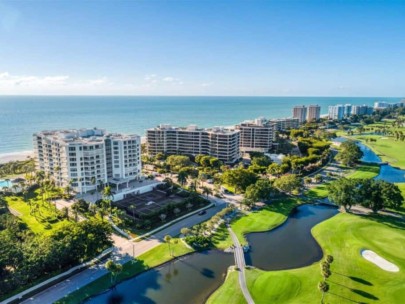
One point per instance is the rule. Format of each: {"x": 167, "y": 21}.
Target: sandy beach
{"x": 7, "y": 157}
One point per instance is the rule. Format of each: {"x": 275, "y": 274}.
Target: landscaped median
{"x": 155, "y": 257}
{"x": 353, "y": 279}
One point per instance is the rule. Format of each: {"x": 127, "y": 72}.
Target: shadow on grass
{"x": 390, "y": 221}
{"x": 342, "y": 297}
{"x": 362, "y": 281}
{"x": 364, "y": 294}
{"x": 283, "y": 206}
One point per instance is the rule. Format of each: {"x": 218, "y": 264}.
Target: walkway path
{"x": 240, "y": 263}
{"x": 123, "y": 252}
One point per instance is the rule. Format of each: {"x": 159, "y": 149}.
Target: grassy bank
{"x": 318, "y": 192}
{"x": 365, "y": 171}
{"x": 353, "y": 278}
{"x": 228, "y": 295}
{"x": 387, "y": 148}
{"x": 152, "y": 258}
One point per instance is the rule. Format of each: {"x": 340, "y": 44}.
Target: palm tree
{"x": 329, "y": 259}
{"x": 75, "y": 211}
{"x": 184, "y": 231}
{"x": 182, "y": 177}
{"x": 114, "y": 269}
{"x": 168, "y": 239}
{"x": 108, "y": 195}
{"x": 207, "y": 191}
{"x": 132, "y": 207}
{"x": 323, "y": 287}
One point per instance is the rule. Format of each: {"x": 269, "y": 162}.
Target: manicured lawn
{"x": 152, "y": 258}
{"x": 266, "y": 219}
{"x": 353, "y": 280}
{"x": 318, "y": 192}
{"x": 228, "y": 295}
{"x": 365, "y": 171}
{"x": 221, "y": 239}
{"x": 387, "y": 148}
{"x": 40, "y": 223}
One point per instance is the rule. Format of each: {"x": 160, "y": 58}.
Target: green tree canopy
{"x": 289, "y": 183}
{"x": 239, "y": 178}
{"x": 349, "y": 153}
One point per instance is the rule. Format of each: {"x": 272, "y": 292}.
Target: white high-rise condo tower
{"x": 87, "y": 157}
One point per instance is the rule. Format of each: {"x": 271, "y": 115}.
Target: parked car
{"x": 202, "y": 212}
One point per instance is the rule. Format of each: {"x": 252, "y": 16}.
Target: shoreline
{"x": 16, "y": 156}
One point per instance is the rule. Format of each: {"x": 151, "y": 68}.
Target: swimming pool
{"x": 4, "y": 183}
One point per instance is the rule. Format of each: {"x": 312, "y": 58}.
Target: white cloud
{"x": 7, "y": 80}
{"x": 172, "y": 80}
{"x": 99, "y": 81}
{"x": 206, "y": 84}
{"x": 151, "y": 84}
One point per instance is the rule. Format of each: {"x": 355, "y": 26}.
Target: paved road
{"x": 240, "y": 263}
{"x": 122, "y": 253}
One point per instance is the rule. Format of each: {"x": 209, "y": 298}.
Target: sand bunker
{"x": 379, "y": 261}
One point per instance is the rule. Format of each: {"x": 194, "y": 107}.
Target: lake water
{"x": 387, "y": 173}
{"x": 20, "y": 116}
{"x": 190, "y": 279}
{"x": 290, "y": 245}
{"x": 193, "y": 278}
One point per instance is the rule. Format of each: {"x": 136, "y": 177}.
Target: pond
{"x": 190, "y": 279}
{"x": 290, "y": 245}
{"x": 387, "y": 173}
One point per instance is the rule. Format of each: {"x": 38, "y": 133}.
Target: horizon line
{"x": 258, "y": 96}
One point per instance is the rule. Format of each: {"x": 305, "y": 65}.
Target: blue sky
{"x": 286, "y": 48}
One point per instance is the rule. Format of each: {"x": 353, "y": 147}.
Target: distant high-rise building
{"x": 222, "y": 143}
{"x": 313, "y": 112}
{"x": 300, "y": 112}
{"x": 336, "y": 112}
{"x": 282, "y": 124}
{"x": 348, "y": 110}
{"x": 362, "y": 110}
{"x": 256, "y": 135}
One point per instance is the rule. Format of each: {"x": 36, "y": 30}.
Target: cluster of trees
{"x": 17, "y": 167}
{"x": 259, "y": 164}
{"x": 25, "y": 257}
{"x": 207, "y": 161}
{"x": 261, "y": 190}
{"x": 370, "y": 193}
{"x": 290, "y": 183}
{"x": 239, "y": 178}
{"x": 349, "y": 153}
{"x": 199, "y": 236}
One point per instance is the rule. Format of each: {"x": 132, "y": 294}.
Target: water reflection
{"x": 190, "y": 279}
{"x": 290, "y": 245}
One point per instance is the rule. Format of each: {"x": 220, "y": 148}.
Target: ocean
{"x": 21, "y": 116}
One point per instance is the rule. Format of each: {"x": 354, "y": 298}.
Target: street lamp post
{"x": 133, "y": 252}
